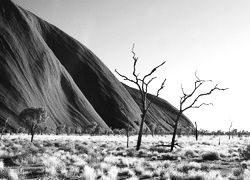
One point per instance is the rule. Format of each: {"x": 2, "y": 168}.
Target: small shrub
{"x": 182, "y": 176}
{"x": 245, "y": 152}
{"x": 56, "y": 144}
{"x": 189, "y": 153}
{"x": 120, "y": 148}
{"x": 238, "y": 172}
{"x": 142, "y": 153}
{"x": 9, "y": 174}
{"x": 4, "y": 174}
{"x": 33, "y": 149}
{"x": 210, "y": 156}
{"x": 168, "y": 156}
{"x": 147, "y": 174}
{"x": 83, "y": 149}
{"x": 131, "y": 153}
{"x": 139, "y": 170}
{"x": 126, "y": 172}
{"x": 154, "y": 158}
{"x": 205, "y": 167}
{"x": 245, "y": 164}
{"x": 185, "y": 167}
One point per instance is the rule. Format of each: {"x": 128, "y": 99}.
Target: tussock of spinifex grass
{"x": 108, "y": 158}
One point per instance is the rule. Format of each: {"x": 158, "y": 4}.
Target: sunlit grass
{"x": 107, "y": 157}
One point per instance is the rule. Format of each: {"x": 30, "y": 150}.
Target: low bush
{"x": 210, "y": 156}
{"x": 9, "y": 174}
{"x": 131, "y": 152}
{"x": 183, "y": 176}
{"x": 238, "y": 172}
{"x": 245, "y": 152}
{"x": 189, "y": 153}
{"x": 185, "y": 167}
{"x": 83, "y": 149}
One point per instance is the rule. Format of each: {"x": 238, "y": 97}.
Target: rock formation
{"x": 41, "y": 66}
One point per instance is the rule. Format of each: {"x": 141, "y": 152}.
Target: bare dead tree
{"x": 142, "y": 84}
{"x": 229, "y": 131}
{"x": 198, "y": 83}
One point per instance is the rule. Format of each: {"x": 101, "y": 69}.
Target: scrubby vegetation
{"x": 107, "y": 157}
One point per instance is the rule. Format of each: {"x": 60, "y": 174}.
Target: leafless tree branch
{"x": 203, "y": 94}
{"x": 198, "y": 106}
{"x": 197, "y": 84}
{"x": 146, "y": 84}
{"x": 153, "y": 70}
{"x": 158, "y": 92}
{"x": 184, "y": 94}
{"x": 135, "y": 61}
{"x": 125, "y": 77}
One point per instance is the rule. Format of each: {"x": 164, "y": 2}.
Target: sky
{"x": 211, "y": 37}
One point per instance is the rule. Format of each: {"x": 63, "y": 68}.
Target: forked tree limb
{"x": 135, "y": 61}
{"x": 192, "y": 105}
{"x": 144, "y": 85}
{"x": 125, "y": 77}
{"x": 198, "y": 83}
{"x": 158, "y": 92}
{"x": 153, "y": 70}
{"x": 198, "y": 106}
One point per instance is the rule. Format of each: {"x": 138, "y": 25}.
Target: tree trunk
{"x": 32, "y": 132}
{"x": 175, "y": 130}
{"x": 140, "y": 131}
{"x": 127, "y": 138}
{"x": 32, "y": 136}
{"x": 196, "y": 132}
{"x": 127, "y": 131}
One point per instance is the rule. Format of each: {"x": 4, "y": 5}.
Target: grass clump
{"x": 185, "y": 167}
{"x": 131, "y": 152}
{"x": 245, "y": 152}
{"x": 210, "y": 156}
{"x": 83, "y": 149}
{"x": 9, "y": 174}
{"x": 189, "y": 153}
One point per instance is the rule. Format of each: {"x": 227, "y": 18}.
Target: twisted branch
{"x": 197, "y": 84}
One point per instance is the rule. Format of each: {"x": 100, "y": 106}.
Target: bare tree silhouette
{"x": 142, "y": 84}
{"x": 198, "y": 83}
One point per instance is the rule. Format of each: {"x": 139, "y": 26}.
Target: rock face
{"x": 41, "y": 66}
